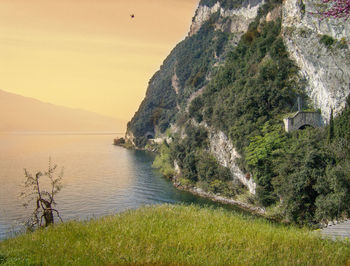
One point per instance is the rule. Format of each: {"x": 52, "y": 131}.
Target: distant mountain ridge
{"x": 19, "y": 113}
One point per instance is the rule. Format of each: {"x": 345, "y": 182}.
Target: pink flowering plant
{"x": 336, "y": 9}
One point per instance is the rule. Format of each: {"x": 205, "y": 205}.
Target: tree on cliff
{"x": 42, "y": 192}
{"x": 330, "y": 135}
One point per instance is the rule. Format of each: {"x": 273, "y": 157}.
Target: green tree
{"x": 163, "y": 161}
{"x": 260, "y": 155}
{"x": 299, "y": 168}
{"x": 334, "y": 189}
{"x": 330, "y": 136}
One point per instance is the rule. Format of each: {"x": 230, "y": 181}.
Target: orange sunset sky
{"x": 88, "y": 54}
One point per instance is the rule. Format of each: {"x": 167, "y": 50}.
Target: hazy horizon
{"x": 26, "y": 114}
{"x": 89, "y": 55}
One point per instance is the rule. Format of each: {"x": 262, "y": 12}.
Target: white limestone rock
{"x": 225, "y": 153}
{"x": 326, "y": 70}
{"x": 240, "y": 18}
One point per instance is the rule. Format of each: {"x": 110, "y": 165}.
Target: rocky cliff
{"x": 221, "y": 34}
{"x": 324, "y": 65}
{"x": 225, "y": 153}
{"x": 235, "y": 20}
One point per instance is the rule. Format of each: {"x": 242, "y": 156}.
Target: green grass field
{"x": 173, "y": 234}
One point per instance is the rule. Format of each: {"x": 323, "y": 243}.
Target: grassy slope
{"x": 171, "y": 234}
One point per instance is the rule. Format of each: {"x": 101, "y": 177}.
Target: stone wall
{"x": 301, "y": 119}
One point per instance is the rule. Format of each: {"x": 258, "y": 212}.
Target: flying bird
{"x": 132, "y": 15}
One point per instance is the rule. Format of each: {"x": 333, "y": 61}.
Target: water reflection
{"x": 99, "y": 178}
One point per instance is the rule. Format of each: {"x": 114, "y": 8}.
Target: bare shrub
{"x": 40, "y": 190}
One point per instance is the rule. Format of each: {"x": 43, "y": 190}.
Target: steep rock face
{"x": 238, "y": 19}
{"x": 188, "y": 67}
{"x": 203, "y": 13}
{"x": 129, "y": 137}
{"x": 222, "y": 148}
{"x": 325, "y": 69}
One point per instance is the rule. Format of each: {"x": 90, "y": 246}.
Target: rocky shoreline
{"x": 218, "y": 198}
{"x": 253, "y": 209}
{"x": 198, "y": 191}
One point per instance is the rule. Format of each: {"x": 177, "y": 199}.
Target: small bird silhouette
{"x": 132, "y": 15}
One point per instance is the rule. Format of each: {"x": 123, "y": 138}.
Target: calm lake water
{"x": 99, "y": 178}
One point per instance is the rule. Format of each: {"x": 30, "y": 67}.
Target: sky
{"x": 88, "y": 54}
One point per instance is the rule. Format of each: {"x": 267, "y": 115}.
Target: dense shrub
{"x": 163, "y": 161}
{"x": 327, "y": 40}
{"x": 260, "y": 155}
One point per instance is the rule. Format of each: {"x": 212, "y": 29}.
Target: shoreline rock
{"x": 119, "y": 141}
{"x": 217, "y": 198}
{"x": 201, "y": 193}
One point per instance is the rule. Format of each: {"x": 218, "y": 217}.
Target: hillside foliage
{"x": 305, "y": 175}
{"x": 189, "y": 64}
